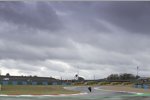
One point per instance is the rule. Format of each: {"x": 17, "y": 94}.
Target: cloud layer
{"x": 60, "y": 39}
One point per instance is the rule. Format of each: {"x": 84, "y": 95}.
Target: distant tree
{"x": 80, "y": 79}
{"x": 7, "y": 74}
{"x": 124, "y": 76}
{"x": 113, "y": 77}
{"x": 137, "y": 76}
{"x": 34, "y": 76}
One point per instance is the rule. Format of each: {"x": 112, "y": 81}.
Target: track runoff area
{"x": 95, "y": 94}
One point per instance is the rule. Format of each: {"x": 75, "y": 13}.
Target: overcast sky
{"x": 64, "y": 38}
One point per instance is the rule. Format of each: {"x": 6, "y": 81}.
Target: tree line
{"x": 123, "y": 76}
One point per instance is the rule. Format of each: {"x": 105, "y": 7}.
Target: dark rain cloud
{"x": 131, "y": 16}
{"x": 57, "y": 37}
{"x": 38, "y": 15}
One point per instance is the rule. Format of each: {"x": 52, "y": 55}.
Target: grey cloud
{"x": 81, "y": 12}
{"x": 14, "y": 50}
{"x": 97, "y": 37}
{"x": 131, "y": 16}
{"x": 38, "y": 15}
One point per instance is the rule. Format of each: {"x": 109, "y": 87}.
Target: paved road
{"x": 94, "y": 95}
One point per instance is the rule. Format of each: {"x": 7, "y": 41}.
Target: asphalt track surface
{"x": 96, "y": 94}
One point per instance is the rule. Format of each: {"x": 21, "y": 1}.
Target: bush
{"x": 91, "y": 83}
{"x": 116, "y": 83}
{"x": 104, "y": 83}
{"x": 126, "y": 83}
{"x": 78, "y": 83}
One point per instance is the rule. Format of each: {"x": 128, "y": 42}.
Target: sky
{"x": 62, "y": 38}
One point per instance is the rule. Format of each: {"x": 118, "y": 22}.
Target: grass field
{"x": 126, "y": 88}
{"x": 34, "y": 90}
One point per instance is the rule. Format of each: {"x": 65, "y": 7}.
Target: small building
{"x": 26, "y": 80}
{"x": 143, "y": 80}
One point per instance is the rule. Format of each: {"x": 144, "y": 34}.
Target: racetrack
{"x": 96, "y": 94}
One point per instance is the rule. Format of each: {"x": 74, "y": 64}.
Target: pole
{"x": 137, "y": 71}
{"x": 94, "y": 77}
{"x": 78, "y": 70}
{"x": 0, "y": 83}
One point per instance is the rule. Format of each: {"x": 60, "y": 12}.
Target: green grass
{"x": 34, "y": 90}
